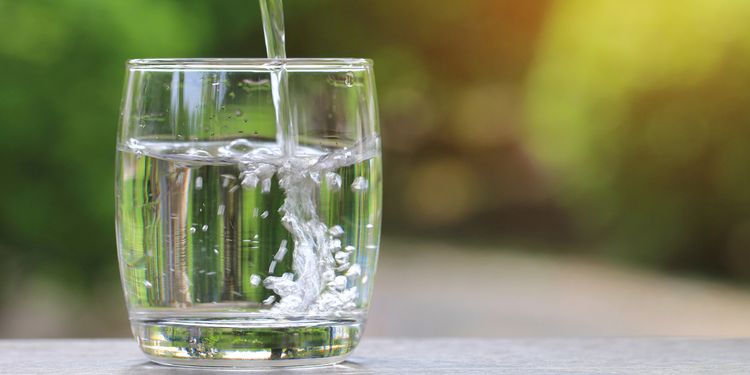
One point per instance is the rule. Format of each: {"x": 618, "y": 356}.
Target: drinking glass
{"x": 248, "y": 208}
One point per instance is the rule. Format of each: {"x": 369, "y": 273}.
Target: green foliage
{"x": 637, "y": 109}
{"x": 62, "y": 67}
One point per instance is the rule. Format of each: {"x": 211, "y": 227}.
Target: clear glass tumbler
{"x": 248, "y": 210}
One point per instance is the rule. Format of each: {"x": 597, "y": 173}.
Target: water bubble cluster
{"x": 324, "y": 277}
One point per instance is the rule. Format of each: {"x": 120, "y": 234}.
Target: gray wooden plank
{"x": 420, "y": 356}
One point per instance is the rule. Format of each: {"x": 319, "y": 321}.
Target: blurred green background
{"x": 609, "y": 130}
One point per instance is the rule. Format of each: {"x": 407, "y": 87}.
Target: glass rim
{"x": 263, "y": 64}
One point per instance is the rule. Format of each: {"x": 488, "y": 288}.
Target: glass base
{"x": 238, "y": 342}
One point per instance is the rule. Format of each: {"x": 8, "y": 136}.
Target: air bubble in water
{"x": 341, "y": 257}
{"x": 270, "y": 300}
{"x": 339, "y": 283}
{"x": 255, "y": 280}
{"x": 204, "y": 227}
{"x": 315, "y": 176}
{"x": 266, "y": 185}
{"x": 220, "y": 210}
{"x": 250, "y": 181}
{"x": 272, "y": 267}
{"x": 264, "y": 215}
{"x": 336, "y": 231}
{"x": 134, "y": 144}
{"x": 350, "y": 248}
{"x": 147, "y": 283}
{"x": 282, "y": 251}
{"x": 240, "y": 146}
{"x": 198, "y": 183}
{"x": 328, "y": 276}
{"x": 333, "y": 180}
{"x": 192, "y": 229}
{"x": 359, "y": 184}
{"x": 198, "y": 152}
{"x": 238, "y": 113}
{"x": 354, "y": 271}
{"x": 336, "y": 245}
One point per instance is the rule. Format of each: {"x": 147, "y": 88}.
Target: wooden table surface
{"x": 423, "y": 356}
